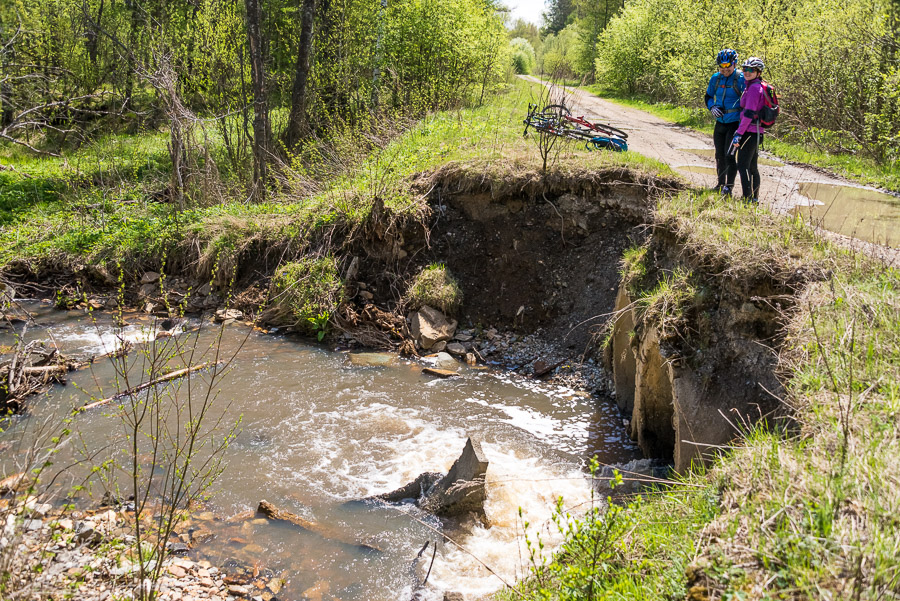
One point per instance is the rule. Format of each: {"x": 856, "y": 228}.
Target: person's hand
{"x": 736, "y": 140}
{"x": 716, "y": 112}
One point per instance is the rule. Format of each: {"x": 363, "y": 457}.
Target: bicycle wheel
{"x": 609, "y": 130}
{"x": 557, "y": 109}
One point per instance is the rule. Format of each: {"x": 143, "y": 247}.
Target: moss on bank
{"x": 803, "y": 512}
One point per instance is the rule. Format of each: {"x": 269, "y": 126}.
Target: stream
{"x": 317, "y": 432}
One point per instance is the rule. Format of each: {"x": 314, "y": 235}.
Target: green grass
{"x": 96, "y": 204}
{"x": 856, "y": 167}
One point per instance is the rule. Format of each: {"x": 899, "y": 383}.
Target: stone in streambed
{"x": 373, "y": 359}
{"x": 429, "y": 326}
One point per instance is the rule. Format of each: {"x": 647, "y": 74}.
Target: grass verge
{"x": 101, "y": 204}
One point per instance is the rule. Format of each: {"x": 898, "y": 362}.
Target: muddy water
{"x": 697, "y": 169}
{"x": 858, "y": 212}
{"x": 318, "y": 432}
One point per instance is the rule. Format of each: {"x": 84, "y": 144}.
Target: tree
{"x": 262, "y": 128}
{"x": 296, "y": 119}
{"x": 557, "y": 16}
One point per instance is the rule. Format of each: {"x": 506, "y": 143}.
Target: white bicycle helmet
{"x": 754, "y": 62}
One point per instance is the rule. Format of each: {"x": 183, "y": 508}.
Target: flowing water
{"x": 318, "y": 432}
{"x": 859, "y": 212}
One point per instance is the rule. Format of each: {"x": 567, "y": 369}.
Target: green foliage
{"x": 308, "y": 292}
{"x": 833, "y": 62}
{"x": 602, "y": 558}
{"x": 559, "y": 54}
{"x": 523, "y": 58}
{"x": 435, "y": 287}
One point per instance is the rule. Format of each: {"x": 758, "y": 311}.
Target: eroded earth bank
{"x": 575, "y": 278}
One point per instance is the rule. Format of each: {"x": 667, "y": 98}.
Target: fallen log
{"x": 12, "y": 483}
{"x": 172, "y": 375}
{"x": 274, "y": 513}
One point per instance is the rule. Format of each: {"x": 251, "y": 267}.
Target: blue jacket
{"x": 721, "y": 92}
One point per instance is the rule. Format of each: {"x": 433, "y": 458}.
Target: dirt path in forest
{"x": 691, "y": 154}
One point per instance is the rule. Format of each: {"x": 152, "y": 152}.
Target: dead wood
{"x": 12, "y": 483}
{"x": 29, "y": 371}
{"x": 172, "y": 375}
{"x": 274, "y": 513}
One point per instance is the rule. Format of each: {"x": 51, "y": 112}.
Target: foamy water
{"x": 317, "y": 433}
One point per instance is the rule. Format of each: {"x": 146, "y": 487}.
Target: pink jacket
{"x": 752, "y": 101}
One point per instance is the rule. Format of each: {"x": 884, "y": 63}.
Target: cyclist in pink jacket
{"x": 749, "y": 135}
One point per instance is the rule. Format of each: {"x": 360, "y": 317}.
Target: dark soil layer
{"x": 523, "y": 266}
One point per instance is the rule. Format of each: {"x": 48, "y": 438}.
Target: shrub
{"x": 522, "y": 56}
{"x": 307, "y": 293}
{"x": 435, "y": 287}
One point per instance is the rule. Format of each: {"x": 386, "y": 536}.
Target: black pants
{"x": 726, "y": 167}
{"x": 747, "y": 155}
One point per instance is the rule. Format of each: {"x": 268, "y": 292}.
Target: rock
{"x": 148, "y": 290}
{"x": 455, "y": 348}
{"x": 636, "y": 476}
{"x": 462, "y": 490}
{"x": 87, "y": 535}
{"x": 453, "y": 596}
{"x": 460, "y": 337}
{"x": 204, "y": 290}
{"x": 228, "y": 314}
{"x": 100, "y": 274}
{"x": 441, "y": 373}
{"x": 178, "y": 548}
{"x": 237, "y": 590}
{"x": 470, "y": 359}
{"x": 439, "y": 346}
{"x": 32, "y": 525}
{"x": 42, "y": 509}
{"x": 415, "y": 490}
{"x": 149, "y": 277}
{"x": 373, "y": 359}
{"x": 429, "y": 326}
{"x": 176, "y": 571}
{"x": 444, "y": 361}
{"x": 365, "y": 295}
{"x": 64, "y": 524}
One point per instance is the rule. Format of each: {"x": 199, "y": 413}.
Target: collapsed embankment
{"x": 690, "y": 346}
{"x": 722, "y": 317}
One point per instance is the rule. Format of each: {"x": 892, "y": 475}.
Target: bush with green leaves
{"x": 307, "y": 293}
{"x": 559, "y": 55}
{"x": 435, "y": 287}
{"x": 523, "y": 58}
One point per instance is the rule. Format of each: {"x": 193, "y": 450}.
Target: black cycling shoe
{"x": 726, "y": 190}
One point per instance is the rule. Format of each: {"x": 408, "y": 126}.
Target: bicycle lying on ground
{"x": 557, "y": 120}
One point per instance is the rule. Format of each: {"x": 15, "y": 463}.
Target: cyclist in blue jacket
{"x": 723, "y": 99}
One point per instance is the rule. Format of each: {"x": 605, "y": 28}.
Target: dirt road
{"x": 691, "y": 154}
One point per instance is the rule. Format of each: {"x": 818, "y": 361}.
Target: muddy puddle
{"x": 710, "y": 153}
{"x": 697, "y": 169}
{"x": 866, "y": 214}
{"x": 318, "y": 431}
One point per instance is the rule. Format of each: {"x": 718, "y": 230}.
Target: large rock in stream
{"x": 429, "y": 326}
{"x": 461, "y": 491}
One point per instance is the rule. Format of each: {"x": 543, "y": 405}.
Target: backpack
{"x": 770, "y": 110}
